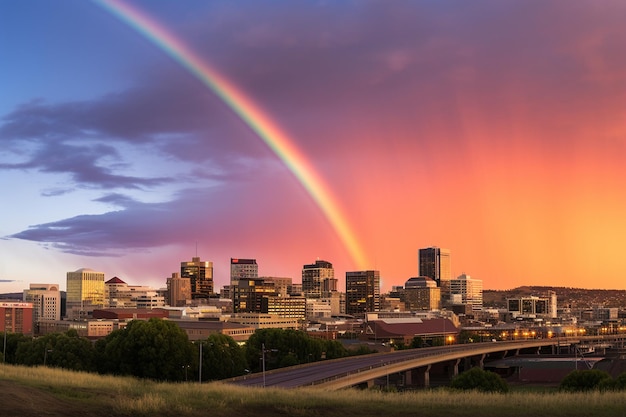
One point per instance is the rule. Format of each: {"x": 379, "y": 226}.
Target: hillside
{"x": 572, "y": 297}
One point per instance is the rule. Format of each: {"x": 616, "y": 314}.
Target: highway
{"x": 374, "y": 365}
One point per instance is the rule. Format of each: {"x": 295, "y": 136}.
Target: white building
{"x": 469, "y": 289}
{"x": 118, "y": 294}
{"x": 46, "y": 301}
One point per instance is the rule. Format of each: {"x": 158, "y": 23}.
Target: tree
{"x": 13, "y": 341}
{"x": 156, "y": 349}
{"x": 585, "y": 380}
{"x": 61, "y": 350}
{"x": 417, "y": 342}
{"x": 620, "y": 382}
{"x": 287, "y": 348}
{"x": 480, "y": 380}
{"x": 222, "y": 358}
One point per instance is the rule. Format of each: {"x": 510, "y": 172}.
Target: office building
{"x": 469, "y": 291}
{"x": 249, "y": 293}
{"x": 16, "y": 317}
{"x": 119, "y": 294}
{"x": 46, "y": 301}
{"x": 434, "y": 263}
{"x": 242, "y": 269}
{"x": 200, "y": 274}
{"x": 178, "y": 290}
{"x": 362, "y": 292}
{"x": 281, "y": 285}
{"x": 85, "y": 292}
{"x": 532, "y": 307}
{"x": 285, "y": 307}
{"x": 318, "y": 279}
{"x": 421, "y": 294}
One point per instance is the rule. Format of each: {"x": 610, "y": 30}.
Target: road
{"x": 319, "y": 372}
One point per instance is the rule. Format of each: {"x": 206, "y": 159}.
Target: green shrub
{"x": 586, "y": 380}
{"x": 480, "y": 380}
{"x": 620, "y": 382}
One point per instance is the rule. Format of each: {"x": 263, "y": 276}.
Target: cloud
{"x": 233, "y": 212}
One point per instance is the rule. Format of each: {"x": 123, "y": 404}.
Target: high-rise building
{"x": 178, "y": 290}
{"x": 362, "y": 292}
{"x": 318, "y": 279}
{"x": 242, "y": 268}
{"x": 434, "y": 262}
{"x": 85, "y": 292}
{"x": 469, "y": 290}
{"x": 200, "y": 274}
{"x": 249, "y": 293}
{"x": 46, "y": 301}
{"x": 281, "y": 284}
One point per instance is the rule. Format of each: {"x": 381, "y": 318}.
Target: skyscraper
{"x": 318, "y": 279}
{"x": 85, "y": 291}
{"x": 200, "y": 274}
{"x": 362, "y": 292}
{"x": 434, "y": 262}
{"x": 242, "y": 268}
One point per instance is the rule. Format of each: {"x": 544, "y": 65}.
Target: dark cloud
{"x": 82, "y": 163}
{"x": 200, "y": 213}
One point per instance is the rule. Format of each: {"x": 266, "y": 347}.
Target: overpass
{"x": 415, "y": 365}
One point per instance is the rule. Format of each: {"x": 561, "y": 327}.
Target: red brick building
{"x": 16, "y": 317}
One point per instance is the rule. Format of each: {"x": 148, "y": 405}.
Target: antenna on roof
{"x": 196, "y": 248}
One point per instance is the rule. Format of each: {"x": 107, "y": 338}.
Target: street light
{"x": 200, "y": 365}
{"x": 45, "y": 355}
{"x": 263, "y": 359}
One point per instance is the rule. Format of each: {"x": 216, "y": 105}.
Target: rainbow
{"x": 250, "y": 113}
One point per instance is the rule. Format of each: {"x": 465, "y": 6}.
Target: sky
{"x": 495, "y": 129}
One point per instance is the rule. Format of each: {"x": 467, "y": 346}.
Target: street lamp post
{"x": 200, "y": 365}
{"x": 45, "y": 355}
{"x": 263, "y": 361}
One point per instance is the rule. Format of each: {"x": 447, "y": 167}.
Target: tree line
{"x": 160, "y": 350}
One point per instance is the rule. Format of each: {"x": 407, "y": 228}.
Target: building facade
{"x": 249, "y": 294}
{"x": 435, "y": 263}
{"x": 16, "y": 317}
{"x": 85, "y": 292}
{"x": 532, "y": 307}
{"x": 200, "y": 274}
{"x": 362, "y": 292}
{"x": 318, "y": 279}
{"x": 469, "y": 290}
{"x": 282, "y": 285}
{"x": 46, "y": 301}
{"x": 242, "y": 269}
{"x": 421, "y": 294}
{"x": 178, "y": 290}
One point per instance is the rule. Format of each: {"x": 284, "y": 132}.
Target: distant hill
{"x": 566, "y": 296}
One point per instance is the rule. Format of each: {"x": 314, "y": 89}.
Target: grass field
{"x": 43, "y": 391}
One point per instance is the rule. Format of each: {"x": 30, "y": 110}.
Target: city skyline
{"x": 491, "y": 129}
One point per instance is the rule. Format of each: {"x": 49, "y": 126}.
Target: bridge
{"x": 414, "y": 365}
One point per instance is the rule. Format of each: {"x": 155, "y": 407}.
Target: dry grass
{"x": 124, "y": 396}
